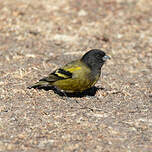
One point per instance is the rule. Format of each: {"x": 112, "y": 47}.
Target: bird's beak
{"x": 105, "y": 58}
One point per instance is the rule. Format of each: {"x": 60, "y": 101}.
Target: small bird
{"x": 76, "y": 76}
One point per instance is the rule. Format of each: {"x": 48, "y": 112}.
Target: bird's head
{"x": 95, "y": 58}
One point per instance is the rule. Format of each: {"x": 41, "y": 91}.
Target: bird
{"x": 76, "y": 76}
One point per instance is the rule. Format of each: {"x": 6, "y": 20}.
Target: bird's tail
{"x": 40, "y": 84}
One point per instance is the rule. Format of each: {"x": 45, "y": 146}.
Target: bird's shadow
{"x": 89, "y": 92}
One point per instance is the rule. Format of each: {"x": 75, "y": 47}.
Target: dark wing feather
{"x": 59, "y": 74}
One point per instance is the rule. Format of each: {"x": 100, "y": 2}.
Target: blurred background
{"x": 37, "y": 36}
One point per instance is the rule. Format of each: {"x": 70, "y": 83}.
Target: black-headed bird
{"x": 76, "y": 76}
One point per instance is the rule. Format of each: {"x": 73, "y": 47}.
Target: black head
{"x": 95, "y": 59}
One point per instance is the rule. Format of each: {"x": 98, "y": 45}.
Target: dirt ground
{"x": 37, "y": 36}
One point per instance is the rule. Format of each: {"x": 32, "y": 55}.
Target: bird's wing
{"x": 59, "y": 74}
{"x": 65, "y": 72}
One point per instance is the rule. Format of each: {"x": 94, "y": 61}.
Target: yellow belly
{"x": 73, "y": 85}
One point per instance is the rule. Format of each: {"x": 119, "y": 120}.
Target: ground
{"x": 36, "y": 37}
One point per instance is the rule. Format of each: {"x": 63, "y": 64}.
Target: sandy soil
{"x": 38, "y": 36}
